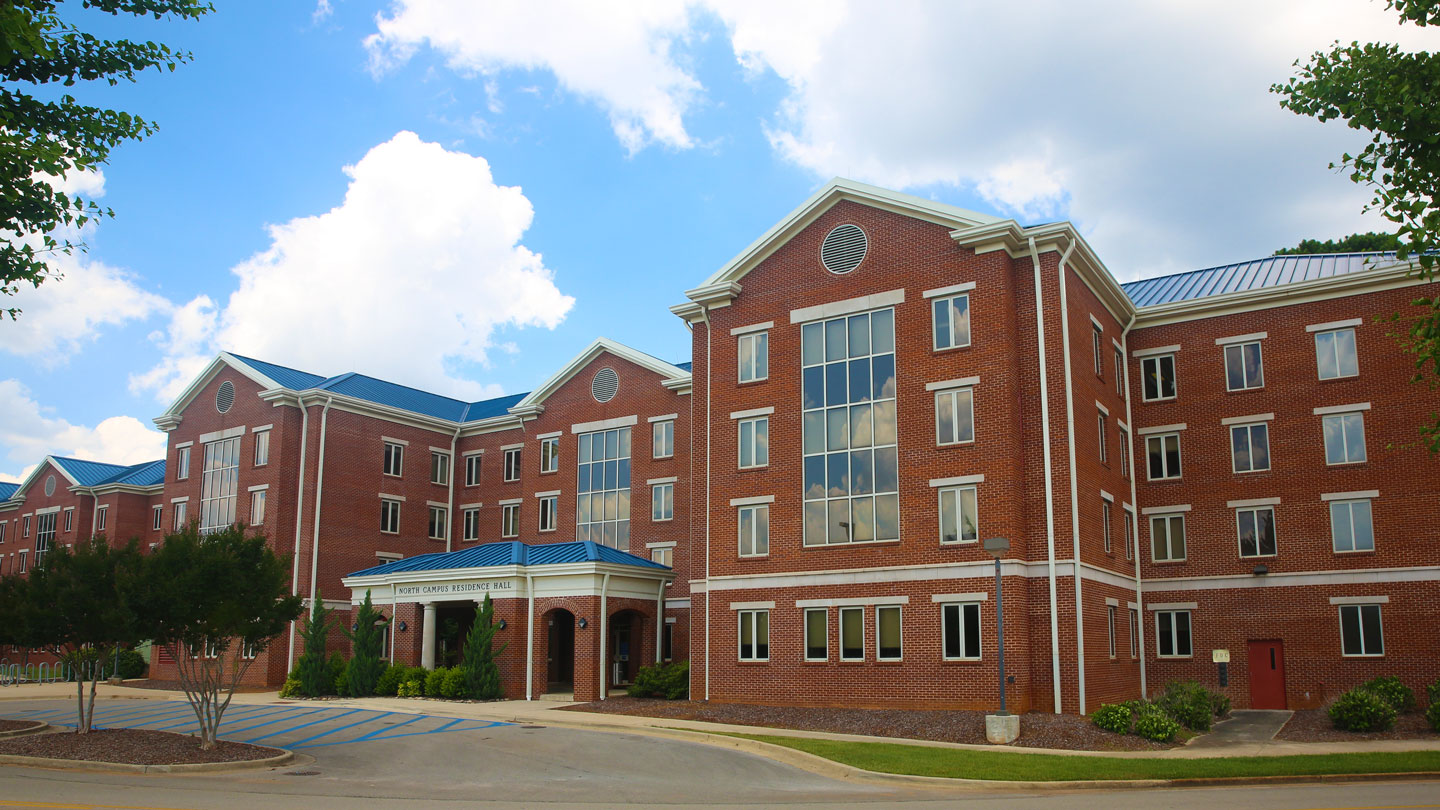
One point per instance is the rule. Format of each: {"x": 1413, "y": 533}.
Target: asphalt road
{"x": 361, "y": 758}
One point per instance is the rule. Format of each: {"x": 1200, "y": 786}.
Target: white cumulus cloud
{"x": 408, "y": 277}
{"x": 30, "y": 431}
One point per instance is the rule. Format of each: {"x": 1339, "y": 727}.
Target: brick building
{"x": 879, "y": 383}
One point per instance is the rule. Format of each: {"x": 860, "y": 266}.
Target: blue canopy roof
{"x": 1271, "y": 271}
{"x": 7, "y": 490}
{"x": 513, "y": 552}
{"x": 95, "y": 473}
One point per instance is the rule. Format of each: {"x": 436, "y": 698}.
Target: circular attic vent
{"x": 49, "y": 486}
{"x": 844, "y": 248}
{"x": 225, "y": 397}
{"x": 605, "y": 384}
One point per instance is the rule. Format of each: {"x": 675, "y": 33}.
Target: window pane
{"x": 1350, "y": 630}
{"x": 835, "y": 340}
{"x": 747, "y": 443}
{"x": 1346, "y": 363}
{"x": 814, "y": 477}
{"x": 814, "y": 385}
{"x": 747, "y": 532}
{"x": 1159, "y": 542}
{"x": 942, "y": 324}
{"x": 945, "y": 418}
{"x": 1265, "y": 520}
{"x": 862, "y": 472}
{"x": 860, "y": 380}
{"x": 852, "y": 633}
{"x": 859, "y": 335}
{"x": 1234, "y": 368}
{"x": 950, "y": 628}
{"x": 837, "y": 429}
{"x": 1165, "y": 636}
{"x": 1364, "y": 532}
{"x": 1247, "y": 533}
{"x": 888, "y": 632}
{"x": 1177, "y": 537}
{"x": 887, "y": 473}
{"x": 762, "y": 530}
{"x": 1167, "y": 375}
{"x": 862, "y": 511}
{"x": 1334, "y": 427}
{"x": 1354, "y": 437}
{"x": 1325, "y": 355}
{"x": 812, "y": 344}
{"x": 747, "y": 635}
{"x": 1259, "y": 447}
{"x": 1341, "y": 532}
{"x": 860, "y": 432}
{"x": 949, "y": 519}
{"x": 1172, "y": 456}
{"x": 1150, "y": 377}
{"x": 762, "y": 355}
{"x": 965, "y": 415}
{"x": 762, "y": 634}
{"x": 882, "y": 378}
{"x": 1155, "y": 453}
{"x": 837, "y": 475}
{"x": 969, "y": 515}
{"x": 884, "y": 422}
{"x": 882, "y": 331}
{"x": 762, "y": 441}
{"x": 960, "y": 319}
{"x": 887, "y": 517}
{"x": 836, "y": 392}
{"x": 1240, "y": 448}
{"x": 1182, "y": 633}
{"x": 814, "y": 432}
{"x": 839, "y": 521}
{"x": 815, "y": 641}
{"x": 815, "y": 523}
{"x": 1254, "y": 369}
{"x": 972, "y": 630}
{"x": 1370, "y": 629}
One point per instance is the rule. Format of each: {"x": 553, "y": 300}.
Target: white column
{"x": 530, "y": 638}
{"x": 604, "y": 637}
{"x": 427, "y": 637}
{"x": 660, "y": 621}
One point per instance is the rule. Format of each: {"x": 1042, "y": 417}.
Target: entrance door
{"x": 1267, "y": 675}
{"x": 560, "y": 655}
{"x": 623, "y": 658}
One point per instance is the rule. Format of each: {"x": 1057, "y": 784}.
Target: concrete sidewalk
{"x": 552, "y": 713}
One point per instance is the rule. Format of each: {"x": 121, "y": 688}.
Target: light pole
{"x": 997, "y": 547}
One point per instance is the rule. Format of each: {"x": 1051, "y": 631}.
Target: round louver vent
{"x": 844, "y": 248}
{"x": 225, "y": 397}
{"x": 605, "y": 384}
{"x": 49, "y": 486}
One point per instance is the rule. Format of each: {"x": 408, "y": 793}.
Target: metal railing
{"x": 51, "y": 672}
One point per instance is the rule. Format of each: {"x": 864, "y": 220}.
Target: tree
{"x": 1354, "y": 243}
{"x": 482, "y": 674}
{"x": 313, "y": 669}
{"x": 1395, "y": 97}
{"x": 42, "y": 141}
{"x": 214, "y": 602}
{"x": 80, "y": 601}
{"x": 367, "y": 663}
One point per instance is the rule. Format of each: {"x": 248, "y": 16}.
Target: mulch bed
{"x": 1313, "y": 725}
{"x": 131, "y": 746}
{"x": 1037, "y": 730}
{"x": 15, "y": 725}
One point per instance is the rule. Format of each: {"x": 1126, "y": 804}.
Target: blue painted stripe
{"x": 303, "y": 725}
{"x": 196, "y": 722}
{"x": 149, "y": 711}
{"x": 390, "y": 728}
{"x": 443, "y": 729}
{"x": 290, "y": 714}
{"x": 300, "y": 743}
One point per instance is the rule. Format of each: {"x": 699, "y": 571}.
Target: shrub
{"x": 366, "y": 662}
{"x": 390, "y": 679}
{"x": 1433, "y": 691}
{"x": 1362, "y": 710}
{"x": 291, "y": 688}
{"x": 1400, "y": 697}
{"x": 435, "y": 682}
{"x": 1116, "y": 717}
{"x": 334, "y": 671}
{"x": 132, "y": 664}
{"x": 1189, "y": 703}
{"x": 482, "y": 673}
{"x": 670, "y": 681}
{"x": 312, "y": 670}
{"x": 1433, "y": 715}
{"x": 409, "y": 689}
{"x": 1152, "y": 723}
{"x": 342, "y": 680}
{"x": 455, "y": 686}
{"x": 1220, "y": 703}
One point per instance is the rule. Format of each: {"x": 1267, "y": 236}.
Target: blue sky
{"x": 525, "y": 177}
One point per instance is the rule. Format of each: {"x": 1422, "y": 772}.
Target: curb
{"x": 283, "y": 758}
{"x": 40, "y": 725}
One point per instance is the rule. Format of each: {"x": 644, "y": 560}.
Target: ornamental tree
{"x": 482, "y": 674}
{"x": 367, "y": 663}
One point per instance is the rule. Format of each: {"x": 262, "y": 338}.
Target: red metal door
{"x": 1267, "y": 675}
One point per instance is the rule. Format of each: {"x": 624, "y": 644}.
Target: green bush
{"x": 455, "y": 686}
{"x": 312, "y": 669}
{"x": 291, "y": 688}
{"x": 1152, "y": 723}
{"x": 435, "y": 682}
{"x": 1362, "y": 710}
{"x": 390, "y": 679}
{"x": 1116, "y": 717}
{"x": 342, "y": 680}
{"x": 670, "y": 681}
{"x": 1220, "y": 703}
{"x": 1433, "y": 715}
{"x": 1400, "y": 697}
{"x": 409, "y": 689}
{"x": 132, "y": 664}
{"x": 334, "y": 671}
{"x": 1189, "y": 703}
{"x": 1433, "y": 691}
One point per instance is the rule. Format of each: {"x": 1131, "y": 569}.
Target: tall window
{"x": 1360, "y": 631}
{"x": 754, "y": 357}
{"x": 472, "y": 470}
{"x": 262, "y": 448}
{"x": 1158, "y": 377}
{"x": 852, "y": 634}
{"x": 754, "y": 530}
{"x": 182, "y": 463}
{"x": 439, "y": 523}
{"x": 157, "y": 515}
{"x": 1129, "y": 535}
{"x": 603, "y": 481}
{"x": 102, "y": 519}
{"x": 1103, "y": 424}
{"x": 389, "y": 516}
{"x": 1256, "y": 528}
{"x": 662, "y": 439}
{"x": 1335, "y": 354}
{"x": 69, "y": 520}
{"x": 754, "y": 442}
{"x": 1124, "y": 453}
{"x": 1250, "y": 447}
{"x": 1163, "y": 454}
{"x": 512, "y": 464}
{"x": 662, "y": 502}
{"x": 26, "y": 532}
{"x": 1105, "y": 521}
{"x": 1167, "y": 538}
{"x": 952, "y": 322}
{"x": 1350, "y": 526}
{"x": 180, "y": 517}
{"x": 888, "y": 645}
{"x": 550, "y": 455}
{"x": 548, "y": 507}
{"x": 851, "y": 474}
{"x": 20, "y": 566}
{"x": 754, "y": 635}
{"x": 439, "y": 467}
{"x": 1134, "y": 633}
{"x": 959, "y": 515}
{"x": 1344, "y": 438}
{"x": 510, "y": 520}
{"x": 955, "y": 416}
{"x": 1243, "y": 368}
{"x": 470, "y": 529}
{"x": 1119, "y": 374}
{"x": 44, "y": 536}
{"x": 817, "y": 634}
{"x": 1172, "y": 633}
{"x": 1095, "y": 350}
{"x": 960, "y": 631}
{"x": 219, "y": 483}
{"x": 1110, "y": 611}
{"x": 257, "y": 508}
{"x": 394, "y": 457}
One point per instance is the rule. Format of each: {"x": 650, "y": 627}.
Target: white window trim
{"x": 1232, "y": 421}
{"x": 1146, "y": 431}
{"x": 963, "y": 600}
{"x": 840, "y": 631}
{"x": 653, "y": 519}
{"x": 952, "y": 393}
{"x": 957, "y": 481}
{"x": 1175, "y": 370}
{"x": 1332, "y": 326}
{"x": 1190, "y": 619}
{"x": 1357, "y": 495}
{"x": 849, "y": 306}
{"x": 946, "y": 385}
{"x": 752, "y": 413}
{"x": 1257, "y": 555}
{"x": 740, "y": 341}
{"x": 1253, "y": 337}
{"x": 739, "y": 529}
{"x": 1169, "y": 545}
{"x": 669, "y": 417}
{"x": 888, "y": 606}
{"x": 1157, "y": 350}
{"x": 754, "y": 444}
{"x": 934, "y": 337}
{"x": 1332, "y": 410}
{"x": 540, "y": 499}
{"x": 805, "y": 632}
{"x": 754, "y": 327}
{"x": 1339, "y": 614}
{"x": 946, "y": 292}
{"x": 1249, "y": 436}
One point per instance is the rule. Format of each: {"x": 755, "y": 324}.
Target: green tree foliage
{"x": 1394, "y": 96}
{"x": 214, "y": 602}
{"x": 482, "y": 674}
{"x": 83, "y": 601}
{"x": 313, "y": 670}
{"x": 367, "y": 663}
{"x": 43, "y": 139}
{"x": 1354, "y": 243}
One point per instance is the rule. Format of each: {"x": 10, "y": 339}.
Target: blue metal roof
{"x": 146, "y": 474}
{"x": 685, "y": 366}
{"x": 287, "y": 377}
{"x": 487, "y": 408}
{"x": 89, "y": 473}
{"x": 1271, "y": 271}
{"x": 7, "y": 491}
{"x": 513, "y": 552}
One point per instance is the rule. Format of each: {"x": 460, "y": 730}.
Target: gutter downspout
{"x": 1049, "y": 480}
{"x": 709, "y": 335}
{"x": 604, "y": 634}
{"x": 1074, "y": 484}
{"x": 394, "y": 589}
{"x": 1133, "y": 540}
{"x": 319, "y": 491}
{"x": 529, "y": 637}
{"x": 299, "y": 527}
{"x": 450, "y": 493}
{"x": 660, "y": 620}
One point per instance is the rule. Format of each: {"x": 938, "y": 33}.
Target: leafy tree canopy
{"x": 44, "y": 139}
{"x": 1354, "y": 243}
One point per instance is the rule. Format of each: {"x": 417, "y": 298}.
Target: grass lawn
{"x": 916, "y": 760}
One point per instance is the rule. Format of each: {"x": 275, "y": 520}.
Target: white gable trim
{"x": 536, "y": 399}
{"x": 171, "y": 417}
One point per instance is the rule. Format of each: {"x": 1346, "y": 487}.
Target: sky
{"x": 461, "y": 195}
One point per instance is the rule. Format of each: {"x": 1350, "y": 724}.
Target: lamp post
{"x": 997, "y": 548}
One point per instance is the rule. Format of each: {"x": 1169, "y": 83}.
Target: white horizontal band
{"x": 383, "y": 496}
{"x": 512, "y": 501}
{"x": 963, "y": 382}
{"x": 1245, "y": 420}
{"x": 752, "y": 412}
{"x": 1325, "y": 327}
{"x": 853, "y": 601}
{"x": 1360, "y": 600}
{"x": 1145, "y": 431}
{"x": 227, "y": 433}
{"x": 952, "y": 289}
{"x": 669, "y": 417}
{"x": 977, "y": 596}
{"x": 389, "y": 440}
{"x": 554, "y": 434}
{"x": 1329, "y": 409}
{"x": 1173, "y": 605}
{"x": 1107, "y": 496}
{"x": 848, "y": 306}
{"x": 548, "y": 494}
{"x": 262, "y": 428}
{"x": 958, "y": 481}
{"x": 1154, "y": 351}
{"x": 752, "y": 605}
{"x": 604, "y": 424}
{"x": 669, "y": 479}
{"x": 1100, "y": 406}
{"x": 1356, "y": 495}
{"x": 1165, "y": 510}
{"x": 752, "y": 501}
{"x": 1253, "y": 502}
{"x": 1253, "y": 336}
{"x": 754, "y": 327}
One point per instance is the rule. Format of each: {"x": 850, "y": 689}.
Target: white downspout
{"x": 1049, "y": 480}
{"x": 709, "y": 623}
{"x": 299, "y": 526}
{"x": 319, "y": 492}
{"x": 450, "y": 493}
{"x": 394, "y": 606}
{"x": 604, "y": 634}
{"x": 1134, "y": 539}
{"x": 1074, "y": 484}
{"x": 660, "y": 621}
{"x": 530, "y": 637}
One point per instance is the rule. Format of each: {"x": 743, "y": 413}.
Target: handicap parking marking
{"x": 289, "y": 714}
{"x": 328, "y": 732}
{"x": 444, "y": 729}
{"x": 304, "y": 725}
{"x": 372, "y": 735}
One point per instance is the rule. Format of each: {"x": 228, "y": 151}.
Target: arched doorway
{"x": 560, "y": 652}
{"x": 625, "y": 646}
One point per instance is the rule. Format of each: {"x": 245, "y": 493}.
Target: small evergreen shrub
{"x": 334, "y": 671}
{"x": 1362, "y": 710}
{"x": 1220, "y": 703}
{"x": 312, "y": 670}
{"x": 479, "y": 658}
{"x": 1433, "y": 692}
{"x": 1433, "y": 715}
{"x": 390, "y": 679}
{"x": 291, "y": 688}
{"x": 1400, "y": 697}
{"x": 454, "y": 685}
{"x": 1152, "y": 723}
{"x": 669, "y": 681}
{"x": 1189, "y": 703}
{"x": 131, "y": 664}
{"x": 409, "y": 689}
{"x": 342, "y": 680}
{"x": 367, "y": 662}
{"x": 435, "y": 682}
{"x": 1116, "y": 717}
